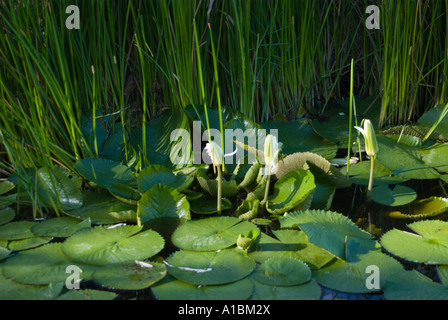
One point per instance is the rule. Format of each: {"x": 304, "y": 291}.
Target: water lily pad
{"x": 403, "y": 161}
{"x": 87, "y": 294}
{"x": 360, "y": 174}
{"x": 442, "y": 272}
{"x": 412, "y": 285}
{"x": 208, "y": 205}
{"x": 209, "y": 268}
{"x": 96, "y": 207}
{"x": 229, "y": 187}
{"x": 42, "y": 265}
{"x": 209, "y": 234}
{"x": 248, "y": 209}
{"x": 398, "y": 196}
{"x": 7, "y": 215}
{"x": 125, "y": 193}
{"x": 59, "y": 227}
{"x": 172, "y": 289}
{"x": 290, "y": 191}
{"x": 328, "y": 230}
{"x": 136, "y": 275}
{"x": 158, "y": 174}
{"x": 282, "y": 271}
{"x": 429, "y": 243}
{"x": 4, "y": 252}
{"x": 60, "y": 186}
{"x": 17, "y": 230}
{"x": 421, "y": 209}
{"x": 430, "y": 117}
{"x": 163, "y": 202}
{"x": 12, "y": 290}
{"x": 308, "y": 291}
{"x": 435, "y": 156}
{"x": 351, "y": 275}
{"x": 101, "y": 246}
{"x": 105, "y": 173}
{"x": 6, "y": 186}
{"x": 24, "y": 244}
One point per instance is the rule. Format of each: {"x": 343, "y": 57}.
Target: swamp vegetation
{"x": 92, "y": 205}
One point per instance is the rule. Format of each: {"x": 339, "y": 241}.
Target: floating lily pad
{"x": 125, "y": 193}
{"x": 7, "y": 215}
{"x": 435, "y": 156}
{"x": 308, "y": 291}
{"x": 432, "y": 116}
{"x": 6, "y": 186}
{"x": 105, "y": 173}
{"x": 282, "y": 271}
{"x": 402, "y": 160}
{"x": 209, "y": 205}
{"x": 351, "y": 275}
{"x": 158, "y": 174}
{"x": 60, "y": 186}
{"x": 248, "y": 209}
{"x": 96, "y": 207}
{"x": 412, "y": 285}
{"x": 290, "y": 191}
{"x": 24, "y": 244}
{"x": 209, "y": 268}
{"x": 59, "y": 227}
{"x": 360, "y": 174}
{"x": 163, "y": 202}
{"x": 17, "y": 230}
{"x": 398, "y": 196}
{"x": 172, "y": 289}
{"x": 136, "y": 275}
{"x": 229, "y": 187}
{"x": 101, "y": 246}
{"x": 4, "y": 252}
{"x": 328, "y": 230}
{"x": 42, "y": 265}
{"x": 87, "y": 294}
{"x": 209, "y": 234}
{"x": 421, "y": 209}
{"x": 429, "y": 243}
{"x": 12, "y": 290}
{"x": 442, "y": 272}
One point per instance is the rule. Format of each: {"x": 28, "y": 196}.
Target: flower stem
{"x": 219, "y": 189}
{"x": 370, "y": 187}
{"x": 266, "y": 191}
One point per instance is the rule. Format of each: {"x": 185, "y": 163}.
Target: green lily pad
{"x": 6, "y": 186}
{"x": 430, "y": 117}
{"x": 7, "y": 215}
{"x": 158, "y": 174}
{"x": 12, "y": 290}
{"x": 59, "y": 227}
{"x": 42, "y": 265}
{"x": 136, "y": 275}
{"x": 328, "y": 230}
{"x": 248, "y": 209}
{"x": 309, "y": 140}
{"x": 163, "y": 202}
{"x": 398, "y": 196}
{"x": 209, "y": 234}
{"x": 229, "y": 187}
{"x": 402, "y": 160}
{"x": 412, "y": 285}
{"x": 308, "y": 291}
{"x": 125, "y": 193}
{"x": 435, "y": 156}
{"x": 442, "y": 272}
{"x": 60, "y": 186}
{"x": 4, "y": 252}
{"x": 209, "y": 268}
{"x": 96, "y": 207}
{"x": 360, "y": 174}
{"x": 352, "y": 275}
{"x": 17, "y": 230}
{"x": 421, "y": 209}
{"x": 290, "y": 191}
{"x": 429, "y": 243}
{"x": 282, "y": 271}
{"x": 209, "y": 205}
{"x": 105, "y": 173}
{"x": 24, "y": 244}
{"x": 87, "y": 294}
{"x": 101, "y": 246}
{"x": 171, "y": 289}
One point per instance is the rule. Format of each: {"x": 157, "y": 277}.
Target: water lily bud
{"x": 215, "y": 152}
{"x": 270, "y": 152}
{"x": 369, "y": 137}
